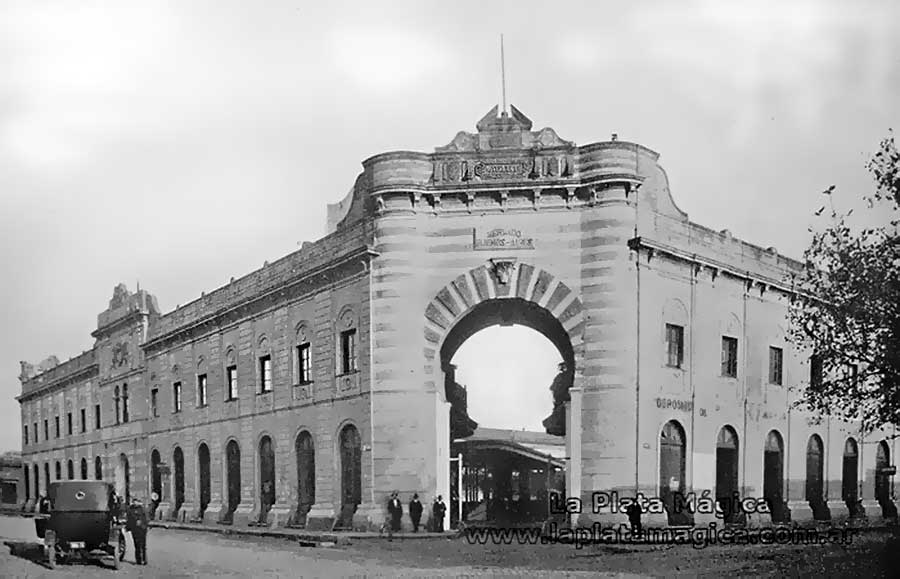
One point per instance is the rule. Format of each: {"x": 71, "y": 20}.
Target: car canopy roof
{"x": 82, "y": 495}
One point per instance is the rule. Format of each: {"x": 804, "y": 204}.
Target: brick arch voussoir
{"x": 453, "y": 301}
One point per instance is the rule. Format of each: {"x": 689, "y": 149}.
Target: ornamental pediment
{"x": 504, "y": 131}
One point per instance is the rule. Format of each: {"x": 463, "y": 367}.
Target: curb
{"x": 305, "y": 539}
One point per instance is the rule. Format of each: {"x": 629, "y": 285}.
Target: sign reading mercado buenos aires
{"x": 501, "y": 238}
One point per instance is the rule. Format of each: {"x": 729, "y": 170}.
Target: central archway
{"x": 504, "y": 293}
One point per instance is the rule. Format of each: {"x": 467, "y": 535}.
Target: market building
{"x": 305, "y": 392}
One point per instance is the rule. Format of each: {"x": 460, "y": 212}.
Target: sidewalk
{"x": 301, "y": 536}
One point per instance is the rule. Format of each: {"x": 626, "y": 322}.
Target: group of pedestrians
{"x": 395, "y": 511}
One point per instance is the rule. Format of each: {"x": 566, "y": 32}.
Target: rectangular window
{"x": 265, "y": 374}
{"x": 231, "y": 390}
{"x": 25, "y": 437}
{"x": 201, "y": 390}
{"x": 69, "y": 424}
{"x": 35, "y": 430}
{"x": 729, "y": 357}
{"x": 674, "y": 345}
{"x": 125, "y": 403}
{"x": 348, "y": 351}
{"x": 776, "y": 358}
{"x": 815, "y": 370}
{"x": 56, "y": 422}
{"x": 46, "y": 430}
{"x": 154, "y": 402}
{"x": 83, "y": 420}
{"x": 97, "y": 422}
{"x": 304, "y": 364}
{"x": 176, "y": 397}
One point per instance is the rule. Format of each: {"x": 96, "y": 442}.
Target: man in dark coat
{"x": 415, "y": 512}
{"x": 137, "y": 524}
{"x": 395, "y": 510}
{"x": 634, "y": 518}
{"x": 438, "y": 510}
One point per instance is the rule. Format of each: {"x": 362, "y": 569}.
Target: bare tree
{"x": 847, "y": 307}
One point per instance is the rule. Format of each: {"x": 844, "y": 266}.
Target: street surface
{"x": 175, "y": 553}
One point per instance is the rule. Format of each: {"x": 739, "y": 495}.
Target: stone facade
{"x": 506, "y": 225}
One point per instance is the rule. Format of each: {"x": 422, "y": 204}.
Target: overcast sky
{"x": 183, "y": 143}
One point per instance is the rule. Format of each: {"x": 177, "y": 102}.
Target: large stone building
{"x": 306, "y": 391}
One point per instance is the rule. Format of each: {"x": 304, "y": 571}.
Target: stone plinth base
{"x": 368, "y": 517}
{"x": 320, "y": 517}
{"x": 839, "y": 511}
{"x": 873, "y": 511}
{"x": 243, "y": 514}
{"x": 162, "y": 510}
{"x": 205, "y": 516}
{"x": 184, "y": 513}
{"x": 278, "y": 515}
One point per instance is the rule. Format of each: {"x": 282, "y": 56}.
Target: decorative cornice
{"x": 78, "y": 375}
{"x": 717, "y": 267}
{"x": 363, "y": 254}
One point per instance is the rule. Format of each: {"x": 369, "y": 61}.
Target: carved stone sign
{"x": 502, "y": 238}
{"x": 685, "y": 405}
{"x": 503, "y": 170}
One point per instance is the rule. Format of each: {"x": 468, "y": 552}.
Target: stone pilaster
{"x": 610, "y": 350}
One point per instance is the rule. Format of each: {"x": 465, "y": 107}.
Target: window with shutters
{"x": 729, "y": 356}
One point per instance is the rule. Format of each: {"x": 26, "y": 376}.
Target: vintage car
{"x": 83, "y": 522}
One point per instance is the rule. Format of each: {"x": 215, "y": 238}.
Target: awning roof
{"x": 475, "y": 448}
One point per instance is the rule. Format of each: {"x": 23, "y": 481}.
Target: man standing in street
{"x": 415, "y": 512}
{"x": 137, "y": 524}
{"x": 437, "y": 512}
{"x": 395, "y": 511}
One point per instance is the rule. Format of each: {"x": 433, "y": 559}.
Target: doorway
{"x": 727, "y": 473}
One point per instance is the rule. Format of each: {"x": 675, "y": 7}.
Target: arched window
{"x": 351, "y": 466}
{"x": 84, "y": 469}
{"x": 233, "y": 468}
{"x": 883, "y": 480}
{"x": 266, "y": 476}
{"x": 70, "y": 469}
{"x": 672, "y": 468}
{"x": 306, "y": 473}
{"x": 773, "y": 476}
{"x": 850, "y": 478}
{"x": 178, "y": 463}
{"x": 98, "y": 468}
{"x": 302, "y": 356}
{"x": 58, "y": 471}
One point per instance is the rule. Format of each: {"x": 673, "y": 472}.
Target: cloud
{"x": 387, "y": 60}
